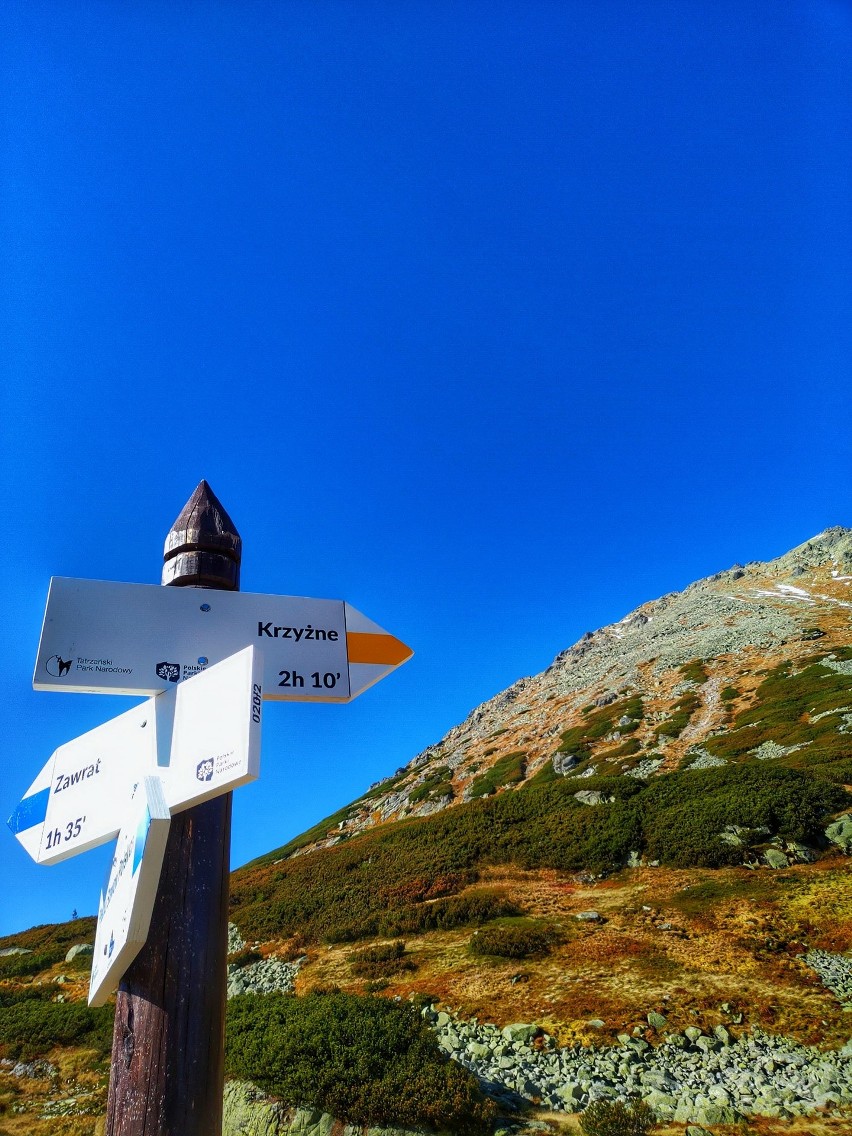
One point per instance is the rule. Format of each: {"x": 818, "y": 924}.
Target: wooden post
{"x": 168, "y": 1044}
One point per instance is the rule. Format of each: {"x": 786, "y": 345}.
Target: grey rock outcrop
{"x": 264, "y": 977}
{"x": 840, "y": 833}
{"x": 79, "y": 949}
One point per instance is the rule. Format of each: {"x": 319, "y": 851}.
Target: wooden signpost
{"x": 160, "y": 776}
{"x": 168, "y": 1041}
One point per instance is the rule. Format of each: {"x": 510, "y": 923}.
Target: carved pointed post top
{"x": 203, "y": 548}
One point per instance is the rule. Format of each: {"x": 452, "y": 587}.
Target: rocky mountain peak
{"x": 640, "y": 696}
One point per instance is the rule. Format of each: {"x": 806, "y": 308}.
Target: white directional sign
{"x": 112, "y": 638}
{"x": 77, "y": 800}
{"x": 124, "y": 913}
{"x": 202, "y": 738}
{"x": 216, "y": 733}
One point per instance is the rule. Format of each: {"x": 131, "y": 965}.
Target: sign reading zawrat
{"x": 114, "y": 638}
{"x": 202, "y": 738}
{"x": 76, "y": 801}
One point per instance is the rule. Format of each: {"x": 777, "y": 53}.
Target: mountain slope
{"x": 642, "y": 695}
{"x": 643, "y": 851}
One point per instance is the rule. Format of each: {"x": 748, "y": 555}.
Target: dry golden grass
{"x": 656, "y": 948}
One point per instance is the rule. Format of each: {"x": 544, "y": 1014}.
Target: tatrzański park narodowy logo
{"x": 57, "y": 666}
{"x": 204, "y": 770}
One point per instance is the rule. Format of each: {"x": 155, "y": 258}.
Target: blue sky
{"x": 494, "y": 319}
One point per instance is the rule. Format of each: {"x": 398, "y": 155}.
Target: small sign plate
{"x": 124, "y": 913}
{"x": 216, "y": 734}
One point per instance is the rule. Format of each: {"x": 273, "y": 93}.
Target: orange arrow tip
{"x": 367, "y": 647}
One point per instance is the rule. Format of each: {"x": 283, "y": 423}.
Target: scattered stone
{"x": 592, "y": 797}
{"x": 15, "y": 951}
{"x": 235, "y": 940}
{"x": 775, "y": 858}
{"x": 79, "y": 949}
{"x": 657, "y": 1021}
{"x": 644, "y": 768}
{"x": 840, "y": 833}
{"x": 707, "y": 761}
{"x": 520, "y": 1031}
{"x": 769, "y": 751}
{"x": 34, "y": 1070}
{"x": 264, "y": 977}
{"x": 588, "y": 916}
{"x": 835, "y": 972}
{"x": 690, "y": 1078}
{"x": 564, "y": 762}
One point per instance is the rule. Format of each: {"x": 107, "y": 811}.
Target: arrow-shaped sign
{"x": 77, "y": 800}
{"x": 202, "y": 738}
{"x": 124, "y": 912}
{"x": 111, "y": 638}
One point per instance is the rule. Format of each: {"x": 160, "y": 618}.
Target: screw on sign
{"x": 159, "y": 777}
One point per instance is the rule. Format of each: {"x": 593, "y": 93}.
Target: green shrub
{"x": 729, "y": 694}
{"x": 695, "y": 671}
{"x": 507, "y": 770}
{"x": 16, "y": 966}
{"x": 630, "y": 747}
{"x": 438, "y": 784}
{"x": 53, "y": 937}
{"x": 381, "y": 960}
{"x": 684, "y": 813}
{"x": 383, "y": 883}
{"x": 683, "y": 710}
{"x": 612, "y": 1118}
{"x": 783, "y": 710}
{"x": 31, "y": 1027}
{"x": 364, "y": 1060}
{"x": 244, "y": 957}
{"x": 599, "y": 723}
{"x": 470, "y": 909}
{"x": 381, "y": 952}
{"x": 514, "y": 942}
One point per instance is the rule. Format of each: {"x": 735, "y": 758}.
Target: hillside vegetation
{"x": 653, "y": 830}
{"x": 406, "y": 878}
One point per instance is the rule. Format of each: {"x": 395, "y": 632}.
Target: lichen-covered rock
{"x": 235, "y": 939}
{"x": 775, "y": 858}
{"x": 79, "y": 949}
{"x": 840, "y": 833}
{"x": 591, "y": 797}
{"x": 248, "y": 1112}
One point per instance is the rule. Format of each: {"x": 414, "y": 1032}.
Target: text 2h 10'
{"x": 327, "y": 681}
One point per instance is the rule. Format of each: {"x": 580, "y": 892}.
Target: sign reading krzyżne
{"x": 105, "y": 637}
